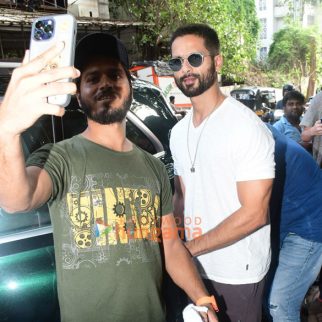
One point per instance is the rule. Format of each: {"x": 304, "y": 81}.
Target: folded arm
{"x": 309, "y": 133}
{"x": 253, "y": 214}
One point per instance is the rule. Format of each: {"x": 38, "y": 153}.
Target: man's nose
{"x": 186, "y": 67}
{"x": 105, "y": 81}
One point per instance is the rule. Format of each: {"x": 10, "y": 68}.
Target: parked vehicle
{"x": 27, "y": 263}
{"x": 160, "y": 74}
{"x": 261, "y": 100}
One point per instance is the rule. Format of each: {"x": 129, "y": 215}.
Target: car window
{"x": 135, "y": 135}
{"x": 39, "y": 134}
{"x": 149, "y": 98}
{"x": 150, "y": 106}
{"x": 74, "y": 122}
{"x": 241, "y": 94}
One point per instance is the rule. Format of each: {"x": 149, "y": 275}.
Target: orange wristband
{"x": 208, "y": 300}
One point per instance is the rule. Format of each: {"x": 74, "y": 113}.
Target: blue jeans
{"x": 299, "y": 264}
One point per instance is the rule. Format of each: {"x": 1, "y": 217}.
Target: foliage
{"x": 259, "y": 74}
{"x": 291, "y": 52}
{"x": 234, "y": 20}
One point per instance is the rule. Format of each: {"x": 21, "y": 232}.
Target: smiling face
{"x": 105, "y": 94}
{"x": 194, "y": 81}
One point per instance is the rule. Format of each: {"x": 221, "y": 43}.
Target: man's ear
{"x": 78, "y": 99}
{"x": 218, "y": 59}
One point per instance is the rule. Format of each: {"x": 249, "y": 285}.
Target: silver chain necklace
{"x": 193, "y": 169}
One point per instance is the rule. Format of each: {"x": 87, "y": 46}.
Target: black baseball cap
{"x": 100, "y": 44}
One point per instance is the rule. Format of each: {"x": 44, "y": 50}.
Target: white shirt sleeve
{"x": 254, "y": 154}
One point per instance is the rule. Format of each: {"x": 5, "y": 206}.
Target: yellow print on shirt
{"x": 112, "y": 216}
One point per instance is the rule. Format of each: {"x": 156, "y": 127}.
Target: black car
{"x": 27, "y": 263}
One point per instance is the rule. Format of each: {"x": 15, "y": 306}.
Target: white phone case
{"x": 64, "y": 29}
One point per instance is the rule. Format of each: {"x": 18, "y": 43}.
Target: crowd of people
{"x": 296, "y": 248}
{"x": 254, "y": 193}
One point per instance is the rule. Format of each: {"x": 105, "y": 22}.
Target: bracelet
{"x": 208, "y": 300}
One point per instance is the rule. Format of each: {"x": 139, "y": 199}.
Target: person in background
{"x": 312, "y": 133}
{"x": 179, "y": 113}
{"x": 172, "y": 99}
{"x": 109, "y": 201}
{"x": 296, "y": 224}
{"x": 224, "y": 166}
{"x": 286, "y": 88}
{"x": 289, "y": 123}
{"x": 312, "y": 127}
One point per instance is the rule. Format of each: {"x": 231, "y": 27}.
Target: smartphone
{"x": 47, "y": 31}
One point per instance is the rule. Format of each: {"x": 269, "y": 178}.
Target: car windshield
{"x": 242, "y": 94}
{"x": 150, "y": 106}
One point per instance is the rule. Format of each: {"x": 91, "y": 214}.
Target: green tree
{"x": 295, "y": 51}
{"x": 234, "y": 20}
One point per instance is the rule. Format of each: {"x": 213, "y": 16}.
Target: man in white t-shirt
{"x": 224, "y": 165}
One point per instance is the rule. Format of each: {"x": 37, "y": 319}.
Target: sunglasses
{"x": 194, "y": 60}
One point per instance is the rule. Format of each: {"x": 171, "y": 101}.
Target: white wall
{"x": 90, "y": 8}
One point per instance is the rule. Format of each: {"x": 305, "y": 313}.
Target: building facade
{"x": 16, "y": 17}
{"x": 272, "y": 15}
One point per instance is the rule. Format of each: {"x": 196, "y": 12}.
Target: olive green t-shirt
{"x": 105, "y": 210}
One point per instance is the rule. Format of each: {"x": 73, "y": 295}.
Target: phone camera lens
{"x": 44, "y": 29}
{"x": 48, "y": 28}
{"x": 38, "y": 35}
{"x": 39, "y": 25}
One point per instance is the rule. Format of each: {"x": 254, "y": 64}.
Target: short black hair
{"x": 204, "y": 31}
{"x": 293, "y": 95}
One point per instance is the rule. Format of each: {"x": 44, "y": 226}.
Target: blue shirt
{"x": 296, "y": 201}
{"x": 286, "y": 128}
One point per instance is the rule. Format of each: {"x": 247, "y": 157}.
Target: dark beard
{"x": 205, "y": 82}
{"x": 107, "y": 115}
{"x": 293, "y": 118}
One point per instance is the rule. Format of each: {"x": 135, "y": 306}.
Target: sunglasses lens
{"x": 175, "y": 64}
{"x": 195, "y": 60}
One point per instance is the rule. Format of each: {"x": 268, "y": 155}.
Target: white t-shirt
{"x": 234, "y": 145}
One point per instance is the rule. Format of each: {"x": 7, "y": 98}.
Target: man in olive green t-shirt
{"x": 109, "y": 201}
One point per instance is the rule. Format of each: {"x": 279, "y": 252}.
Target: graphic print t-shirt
{"x": 105, "y": 209}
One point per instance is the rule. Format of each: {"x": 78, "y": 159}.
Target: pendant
{"x": 192, "y": 169}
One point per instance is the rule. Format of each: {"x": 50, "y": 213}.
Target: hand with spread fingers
{"x": 30, "y": 85}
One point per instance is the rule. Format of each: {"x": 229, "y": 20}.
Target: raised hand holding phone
{"x": 47, "y": 31}
{"x": 26, "y": 97}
